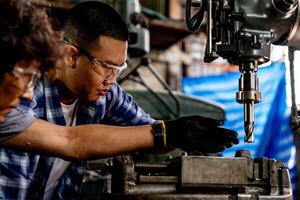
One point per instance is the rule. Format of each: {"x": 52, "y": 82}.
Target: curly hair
{"x": 26, "y": 34}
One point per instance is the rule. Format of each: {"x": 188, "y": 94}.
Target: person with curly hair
{"x": 28, "y": 47}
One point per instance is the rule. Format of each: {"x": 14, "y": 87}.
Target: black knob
{"x": 285, "y": 6}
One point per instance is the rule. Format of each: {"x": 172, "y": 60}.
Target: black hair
{"x": 89, "y": 20}
{"x": 26, "y": 35}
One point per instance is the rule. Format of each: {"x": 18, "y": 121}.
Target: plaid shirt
{"x": 24, "y": 175}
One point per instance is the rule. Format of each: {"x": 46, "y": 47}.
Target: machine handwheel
{"x": 194, "y": 22}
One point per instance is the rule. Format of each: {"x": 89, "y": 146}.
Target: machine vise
{"x": 200, "y": 177}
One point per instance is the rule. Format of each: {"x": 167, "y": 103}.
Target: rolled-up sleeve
{"x": 16, "y": 122}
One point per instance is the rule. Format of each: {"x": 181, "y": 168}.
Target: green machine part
{"x": 188, "y": 105}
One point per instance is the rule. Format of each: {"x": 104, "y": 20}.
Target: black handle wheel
{"x": 194, "y": 22}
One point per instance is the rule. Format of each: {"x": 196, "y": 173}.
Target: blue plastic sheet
{"x": 273, "y": 136}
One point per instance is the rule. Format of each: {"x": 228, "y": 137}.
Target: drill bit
{"x": 249, "y": 121}
{"x": 248, "y": 94}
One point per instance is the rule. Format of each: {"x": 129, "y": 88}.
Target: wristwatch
{"x": 159, "y": 134}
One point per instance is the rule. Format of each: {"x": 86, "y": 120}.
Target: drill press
{"x": 242, "y": 32}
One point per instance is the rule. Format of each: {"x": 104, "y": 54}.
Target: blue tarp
{"x": 273, "y": 136}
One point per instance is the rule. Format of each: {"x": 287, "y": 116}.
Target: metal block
{"x": 206, "y": 171}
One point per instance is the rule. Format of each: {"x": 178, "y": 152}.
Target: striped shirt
{"x": 23, "y": 175}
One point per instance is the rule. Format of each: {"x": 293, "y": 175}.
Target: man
{"x": 85, "y": 92}
{"x": 27, "y": 44}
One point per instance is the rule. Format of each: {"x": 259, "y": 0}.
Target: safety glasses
{"x": 114, "y": 70}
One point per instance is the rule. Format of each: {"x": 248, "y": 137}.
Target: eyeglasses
{"x": 115, "y": 70}
{"x": 33, "y": 76}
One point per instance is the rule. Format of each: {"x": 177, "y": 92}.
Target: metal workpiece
{"x": 203, "y": 177}
{"x": 193, "y": 167}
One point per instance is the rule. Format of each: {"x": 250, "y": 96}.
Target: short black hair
{"x": 89, "y": 20}
{"x": 26, "y": 34}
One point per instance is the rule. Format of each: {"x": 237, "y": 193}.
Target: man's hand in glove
{"x": 194, "y": 133}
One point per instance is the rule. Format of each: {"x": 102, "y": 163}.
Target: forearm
{"x": 81, "y": 142}
{"x": 94, "y": 141}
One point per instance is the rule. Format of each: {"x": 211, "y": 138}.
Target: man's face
{"x": 92, "y": 79}
{"x": 15, "y": 85}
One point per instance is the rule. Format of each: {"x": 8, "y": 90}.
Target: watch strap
{"x": 159, "y": 134}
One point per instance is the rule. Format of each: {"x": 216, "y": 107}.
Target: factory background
{"x": 177, "y": 56}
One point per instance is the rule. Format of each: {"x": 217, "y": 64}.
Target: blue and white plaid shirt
{"x": 23, "y": 175}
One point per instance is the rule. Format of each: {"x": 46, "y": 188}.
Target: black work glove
{"x": 195, "y": 133}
